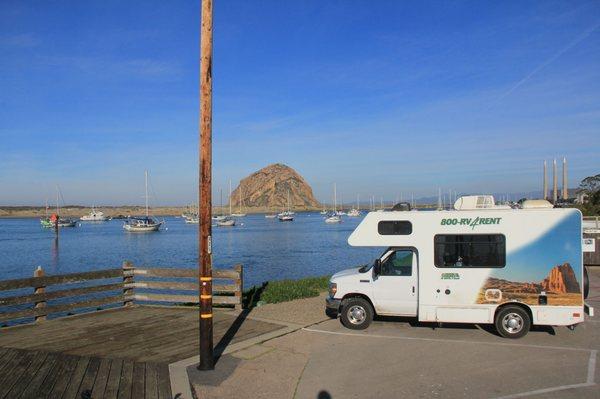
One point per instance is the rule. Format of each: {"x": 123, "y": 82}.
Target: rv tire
{"x": 512, "y": 321}
{"x": 586, "y": 283}
{"x": 357, "y": 313}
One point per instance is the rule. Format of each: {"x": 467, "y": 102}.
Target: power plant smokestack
{"x": 554, "y": 183}
{"x": 565, "y": 187}
{"x": 545, "y": 195}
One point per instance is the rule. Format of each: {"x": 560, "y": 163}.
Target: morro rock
{"x": 561, "y": 280}
{"x": 268, "y": 188}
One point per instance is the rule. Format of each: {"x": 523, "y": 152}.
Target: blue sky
{"x": 381, "y": 97}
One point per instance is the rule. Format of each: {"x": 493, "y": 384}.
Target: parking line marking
{"x": 448, "y": 340}
{"x": 590, "y": 382}
{"x": 592, "y": 367}
{"x": 546, "y": 390}
{"x": 590, "y": 371}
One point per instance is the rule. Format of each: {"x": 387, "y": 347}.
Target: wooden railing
{"x": 227, "y": 285}
{"x": 109, "y": 288}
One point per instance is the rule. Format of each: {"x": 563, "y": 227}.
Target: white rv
{"x": 510, "y": 267}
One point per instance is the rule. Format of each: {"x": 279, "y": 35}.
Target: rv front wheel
{"x": 512, "y": 322}
{"x": 357, "y": 313}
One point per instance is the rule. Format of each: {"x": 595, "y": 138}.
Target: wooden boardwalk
{"x": 118, "y": 353}
{"x": 41, "y": 374}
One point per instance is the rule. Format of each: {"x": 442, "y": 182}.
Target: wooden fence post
{"x": 128, "y": 281}
{"x": 239, "y": 282}
{"x": 39, "y": 272}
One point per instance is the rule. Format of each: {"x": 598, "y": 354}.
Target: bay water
{"x": 267, "y": 248}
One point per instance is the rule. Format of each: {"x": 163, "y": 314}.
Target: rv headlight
{"x": 332, "y": 289}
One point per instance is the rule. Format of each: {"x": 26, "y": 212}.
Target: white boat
{"x": 239, "y": 214}
{"x": 227, "y": 222}
{"x": 218, "y": 218}
{"x": 94, "y": 216}
{"x": 355, "y": 212}
{"x": 335, "y": 217}
{"x": 142, "y": 224}
{"x": 191, "y": 215}
{"x": 194, "y": 219}
{"x": 271, "y": 216}
{"x": 286, "y": 216}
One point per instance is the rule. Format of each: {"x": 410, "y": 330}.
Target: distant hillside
{"x": 268, "y": 188}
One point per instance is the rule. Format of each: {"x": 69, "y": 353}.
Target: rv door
{"x": 395, "y": 288}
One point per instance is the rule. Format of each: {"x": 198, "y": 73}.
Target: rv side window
{"x": 394, "y": 228}
{"x": 470, "y": 250}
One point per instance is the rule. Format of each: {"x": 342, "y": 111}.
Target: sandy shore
{"x": 78, "y": 211}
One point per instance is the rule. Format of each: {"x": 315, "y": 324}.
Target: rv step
{"x": 588, "y": 309}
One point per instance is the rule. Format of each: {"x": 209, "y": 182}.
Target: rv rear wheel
{"x": 586, "y": 283}
{"x": 512, "y": 322}
{"x": 357, "y": 313}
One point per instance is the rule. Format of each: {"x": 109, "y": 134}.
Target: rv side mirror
{"x": 377, "y": 267}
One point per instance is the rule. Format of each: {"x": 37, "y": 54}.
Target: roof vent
{"x": 536, "y": 204}
{"x": 472, "y": 202}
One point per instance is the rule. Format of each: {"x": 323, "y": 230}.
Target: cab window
{"x": 398, "y": 263}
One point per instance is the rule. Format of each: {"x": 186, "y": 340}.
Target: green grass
{"x": 285, "y": 290}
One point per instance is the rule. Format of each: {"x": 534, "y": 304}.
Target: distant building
{"x": 581, "y": 197}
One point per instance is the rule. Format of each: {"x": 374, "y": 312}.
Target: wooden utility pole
{"x": 205, "y": 188}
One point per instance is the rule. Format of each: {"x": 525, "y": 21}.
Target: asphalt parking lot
{"x": 397, "y": 358}
{"x": 393, "y": 358}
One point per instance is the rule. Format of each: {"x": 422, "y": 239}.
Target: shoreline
{"x": 16, "y": 212}
{"x": 76, "y": 211}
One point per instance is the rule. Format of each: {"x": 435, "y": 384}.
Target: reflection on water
{"x": 267, "y": 248}
{"x": 55, "y": 253}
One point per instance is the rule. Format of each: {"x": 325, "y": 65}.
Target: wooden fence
{"x": 125, "y": 286}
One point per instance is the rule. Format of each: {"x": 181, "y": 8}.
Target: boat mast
{"x": 334, "y": 199}
{"x": 230, "y": 197}
{"x": 57, "y": 200}
{"x": 146, "y": 184}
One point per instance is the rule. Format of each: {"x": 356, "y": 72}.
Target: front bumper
{"x": 332, "y": 307}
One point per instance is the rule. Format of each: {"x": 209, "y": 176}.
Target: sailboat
{"x": 192, "y": 216}
{"x": 355, "y": 212}
{"x": 240, "y": 214}
{"x": 220, "y": 217}
{"x": 228, "y": 221}
{"x": 382, "y": 208}
{"x": 341, "y": 211}
{"x": 55, "y": 219}
{"x": 94, "y": 216}
{"x": 335, "y": 217}
{"x": 142, "y": 224}
{"x": 45, "y": 221}
{"x": 286, "y": 216}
